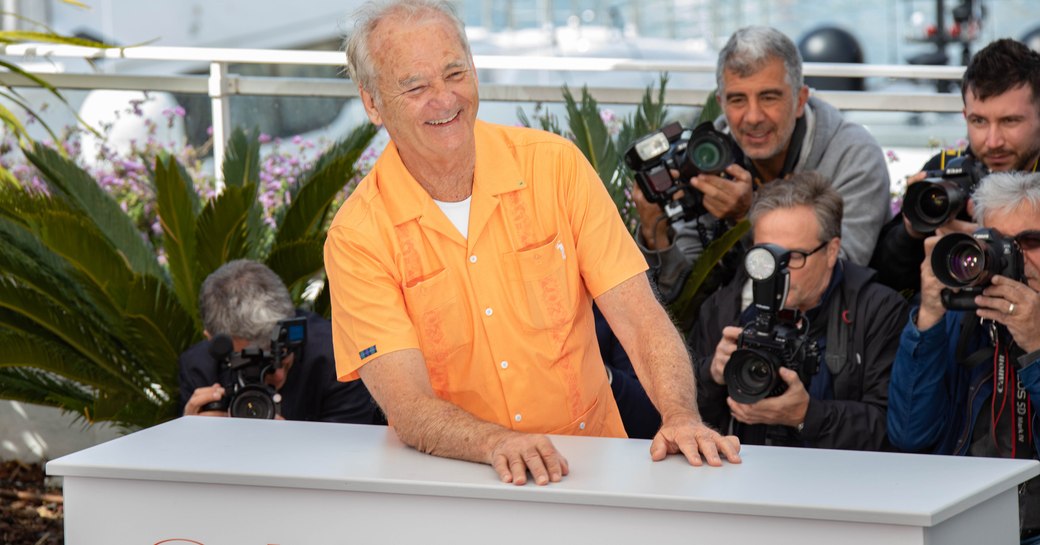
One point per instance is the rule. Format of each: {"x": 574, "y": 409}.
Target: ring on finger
{"x": 1011, "y": 309}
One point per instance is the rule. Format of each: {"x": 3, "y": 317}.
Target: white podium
{"x": 210, "y": 481}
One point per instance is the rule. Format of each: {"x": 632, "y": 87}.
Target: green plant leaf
{"x": 174, "y": 205}
{"x": 308, "y": 207}
{"x": 222, "y": 229}
{"x": 242, "y": 159}
{"x": 86, "y": 195}
{"x": 298, "y": 261}
{"x": 687, "y": 305}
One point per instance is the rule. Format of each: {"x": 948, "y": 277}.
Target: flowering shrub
{"x": 126, "y": 172}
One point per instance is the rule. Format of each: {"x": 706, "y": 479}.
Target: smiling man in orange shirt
{"x": 463, "y": 270}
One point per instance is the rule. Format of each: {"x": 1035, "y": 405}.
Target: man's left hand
{"x": 695, "y": 440}
{"x": 787, "y": 409}
{"x": 1015, "y": 305}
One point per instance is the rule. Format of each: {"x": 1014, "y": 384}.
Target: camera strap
{"x": 1005, "y": 384}
{"x": 836, "y": 354}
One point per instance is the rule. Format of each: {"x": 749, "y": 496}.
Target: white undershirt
{"x": 458, "y": 213}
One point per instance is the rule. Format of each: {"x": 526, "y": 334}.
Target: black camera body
{"x": 969, "y": 263}
{"x": 778, "y": 337}
{"x": 943, "y": 194}
{"x": 243, "y": 373}
{"x": 766, "y": 345}
{"x": 654, "y": 157}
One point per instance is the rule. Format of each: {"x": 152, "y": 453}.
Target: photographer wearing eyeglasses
{"x": 967, "y": 382}
{"x": 243, "y": 303}
{"x": 851, "y": 322}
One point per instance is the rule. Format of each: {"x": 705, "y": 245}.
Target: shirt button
{"x": 505, "y": 365}
{"x": 517, "y": 417}
{"x": 472, "y": 259}
{"x": 488, "y": 311}
{"x": 581, "y": 426}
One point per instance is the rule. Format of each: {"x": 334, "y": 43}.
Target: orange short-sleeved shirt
{"x": 504, "y": 317}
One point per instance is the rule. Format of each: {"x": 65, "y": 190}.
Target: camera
{"x": 776, "y": 338}
{"x": 655, "y": 156}
{"x": 943, "y": 194}
{"x": 242, "y": 373}
{"x": 969, "y": 262}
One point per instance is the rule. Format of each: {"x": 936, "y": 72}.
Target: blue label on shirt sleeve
{"x": 367, "y": 352}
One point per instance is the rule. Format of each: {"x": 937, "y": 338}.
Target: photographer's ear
{"x": 833, "y": 250}
{"x": 207, "y": 335}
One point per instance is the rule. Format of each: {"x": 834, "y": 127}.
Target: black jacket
{"x": 856, "y": 417}
{"x": 310, "y": 392}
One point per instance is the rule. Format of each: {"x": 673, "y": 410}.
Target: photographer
{"x": 1001, "y": 94}
{"x": 246, "y": 300}
{"x": 853, "y": 320}
{"x": 779, "y": 130}
{"x": 947, "y": 361}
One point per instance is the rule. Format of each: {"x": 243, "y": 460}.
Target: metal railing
{"x": 220, "y": 86}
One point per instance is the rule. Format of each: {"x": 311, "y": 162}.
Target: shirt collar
{"x": 496, "y": 172}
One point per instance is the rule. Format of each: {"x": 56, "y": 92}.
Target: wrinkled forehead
{"x": 1010, "y": 222}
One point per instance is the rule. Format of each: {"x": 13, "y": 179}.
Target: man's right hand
{"x": 727, "y": 345}
{"x": 932, "y": 309}
{"x": 653, "y": 226}
{"x": 516, "y": 453}
{"x": 200, "y": 397}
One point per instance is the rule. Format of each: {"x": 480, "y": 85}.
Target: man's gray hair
{"x": 1003, "y": 192}
{"x": 360, "y": 66}
{"x": 244, "y": 299}
{"x": 750, "y": 48}
{"x": 802, "y": 189}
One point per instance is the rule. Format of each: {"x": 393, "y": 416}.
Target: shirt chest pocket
{"x": 440, "y": 316}
{"x": 547, "y": 285}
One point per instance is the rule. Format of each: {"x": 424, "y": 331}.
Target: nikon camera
{"x": 943, "y": 194}
{"x": 655, "y": 157}
{"x": 968, "y": 264}
{"x": 243, "y": 373}
{"x": 776, "y": 338}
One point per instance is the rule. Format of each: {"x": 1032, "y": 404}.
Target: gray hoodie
{"x": 844, "y": 153}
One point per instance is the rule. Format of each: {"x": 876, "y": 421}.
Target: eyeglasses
{"x": 799, "y": 257}
{"x": 1028, "y": 240}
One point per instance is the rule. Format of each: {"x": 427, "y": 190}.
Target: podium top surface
{"x": 872, "y": 487}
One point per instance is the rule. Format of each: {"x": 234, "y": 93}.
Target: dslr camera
{"x": 242, "y": 373}
{"x": 969, "y": 262}
{"x": 776, "y": 338}
{"x": 943, "y": 194}
{"x": 655, "y": 156}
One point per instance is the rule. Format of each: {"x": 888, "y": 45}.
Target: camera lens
{"x": 750, "y": 375}
{"x": 706, "y": 155}
{"x": 253, "y": 402}
{"x": 960, "y": 261}
{"x": 934, "y": 204}
{"x": 966, "y": 263}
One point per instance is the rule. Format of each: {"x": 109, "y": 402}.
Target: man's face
{"x": 1024, "y": 218}
{"x": 427, "y": 88}
{"x": 761, "y": 109}
{"x": 1004, "y": 130}
{"x": 797, "y": 229}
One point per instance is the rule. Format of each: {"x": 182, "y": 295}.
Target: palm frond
{"x": 174, "y": 204}
{"x": 306, "y": 215}
{"x": 86, "y": 195}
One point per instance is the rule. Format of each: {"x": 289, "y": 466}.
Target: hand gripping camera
{"x": 969, "y": 262}
{"x": 656, "y": 156}
{"x": 242, "y": 373}
{"x": 777, "y": 338}
{"x": 943, "y": 194}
